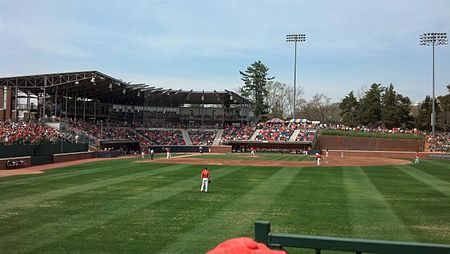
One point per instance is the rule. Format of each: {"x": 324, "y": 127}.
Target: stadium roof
{"x": 94, "y": 85}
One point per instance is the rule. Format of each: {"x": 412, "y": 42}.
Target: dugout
{"x": 179, "y": 149}
{"x": 270, "y": 146}
{"x": 116, "y": 147}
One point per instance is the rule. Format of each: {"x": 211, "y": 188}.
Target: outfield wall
{"x": 15, "y": 162}
{"x": 57, "y": 158}
{"x": 369, "y": 144}
{"x": 381, "y": 154}
{"x": 220, "y": 149}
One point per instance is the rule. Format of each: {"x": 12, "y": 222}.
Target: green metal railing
{"x": 319, "y": 243}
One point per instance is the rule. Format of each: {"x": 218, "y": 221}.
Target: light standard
{"x": 295, "y": 38}
{"x": 433, "y": 39}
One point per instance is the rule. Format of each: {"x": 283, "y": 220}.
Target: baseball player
{"x": 416, "y": 161}
{"x": 318, "y": 157}
{"x": 205, "y": 180}
{"x": 168, "y": 152}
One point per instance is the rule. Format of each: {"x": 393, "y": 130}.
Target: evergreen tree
{"x": 404, "y": 110}
{"x": 370, "y": 110}
{"x": 444, "y": 116}
{"x": 390, "y": 111}
{"x": 255, "y": 81}
{"x": 423, "y": 119}
{"x": 349, "y": 110}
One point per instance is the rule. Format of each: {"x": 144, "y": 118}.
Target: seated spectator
{"x": 274, "y": 132}
{"x": 27, "y": 133}
{"x": 163, "y": 136}
{"x": 202, "y": 137}
{"x": 241, "y": 132}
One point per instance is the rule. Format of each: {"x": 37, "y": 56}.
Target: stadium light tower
{"x": 295, "y": 38}
{"x": 433, "y": 39}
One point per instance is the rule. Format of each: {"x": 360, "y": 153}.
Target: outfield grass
{"x": 258, "y": 156}
{"x": 125, "y": 207}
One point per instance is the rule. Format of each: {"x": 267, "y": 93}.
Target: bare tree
{"x": 275, "y": 99}
{"x": 300, "y": 100}
{"x": 318, "y": 108}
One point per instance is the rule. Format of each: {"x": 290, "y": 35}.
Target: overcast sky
{"x": 202, "y": 45}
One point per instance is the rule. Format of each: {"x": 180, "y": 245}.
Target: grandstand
{"x": 94, "y": 106}
{"x": 113, "y": 115}
{"x": 94, "y": 96}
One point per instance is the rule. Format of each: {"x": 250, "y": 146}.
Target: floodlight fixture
{"x": 433, "y": 39}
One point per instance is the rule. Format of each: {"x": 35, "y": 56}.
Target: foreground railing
{"x": 319, "y": 243}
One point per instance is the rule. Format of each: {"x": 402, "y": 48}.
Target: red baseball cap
{"x": 243, "y": 245}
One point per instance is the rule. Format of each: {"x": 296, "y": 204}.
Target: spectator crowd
{"x": 441, "y": 143}
{"x": 162, "y": 136}
{"x": 202, "y": 137}
{"x": 237, "y": 132}
{"x": 27, "y": 133}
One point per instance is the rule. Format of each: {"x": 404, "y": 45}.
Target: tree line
{"x": 378, "y": 106}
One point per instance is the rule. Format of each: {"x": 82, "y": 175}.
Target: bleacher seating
{"x": 242, "y": 132}
{"x": 202, "y": 137}
{"x": 306, "y": 135}
{"x": 97, "y": 131}
{"x": 162, "y": 136}
{"x": 274, "y": 132}
{"x": 27, "y": 133}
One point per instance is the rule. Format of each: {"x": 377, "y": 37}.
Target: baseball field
{"x": 141, "y": 206}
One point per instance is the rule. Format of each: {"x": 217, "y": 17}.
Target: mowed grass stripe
{"x": 236, "y": 217}
{"x": 37, "y": 237}
{"x": 33, "y": 199}
{"x": 437, "y": 168}
{"x": 370, "y": 214}
{"x": 312, "y": 204}
{"x": 62, "y": 173}
{"x": 157, "y": 225}
{"x": 422, "y": 208}
{"x": 428, "y": 179}
{"x": 54, "y": 180}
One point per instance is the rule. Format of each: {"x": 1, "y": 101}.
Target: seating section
{"x": 242, "y": 132}
{"x": 27, "y": 133}
{"x": 306, "y": 135}
{"x": 202, "y": 137}
{"x": 274, "y": 132}
{"x": 439, "y": 144}
{"x": 32, "y": 133}
{"x": 97, "y": 131}
{"x": 163, "y": 136}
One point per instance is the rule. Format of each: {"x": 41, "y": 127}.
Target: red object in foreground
{"x": 243, "y": 245}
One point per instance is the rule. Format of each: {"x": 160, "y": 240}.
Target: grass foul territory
{"x": 121, "y": 206}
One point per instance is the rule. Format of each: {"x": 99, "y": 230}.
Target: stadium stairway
{"x": 186, "y": 137}
{"x": 253, "y": 136}
{"x": 218, "y": 137}
{"x": 294, "y": 135}
{"x": 140, "y": 135}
